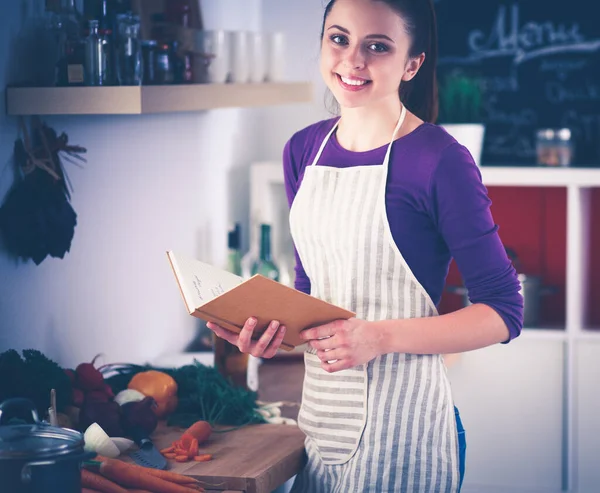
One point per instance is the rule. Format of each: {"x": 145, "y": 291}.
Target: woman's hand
{"x": 343, "y": 344}
{"x": 265, "y": 347}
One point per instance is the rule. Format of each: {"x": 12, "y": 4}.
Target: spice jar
{"x": 564, "y": 147}
{"x": 554, "y": 147}
{"x": 545, "y": 148}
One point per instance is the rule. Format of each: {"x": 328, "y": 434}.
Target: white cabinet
{"x": 510, "y": 399}
{"x": 587, "y": 371}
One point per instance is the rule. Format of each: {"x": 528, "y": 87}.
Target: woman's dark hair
{"x": 419, "y": 95}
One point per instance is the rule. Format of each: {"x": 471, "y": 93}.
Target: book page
{"x": 200, "y": 282}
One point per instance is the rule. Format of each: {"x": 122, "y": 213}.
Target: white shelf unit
{"x": 577, "y": 475}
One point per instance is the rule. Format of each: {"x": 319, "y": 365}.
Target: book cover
{"x": 216, "y": 295}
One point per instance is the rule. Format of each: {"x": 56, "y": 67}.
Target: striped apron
{"x": 388, "y": 425}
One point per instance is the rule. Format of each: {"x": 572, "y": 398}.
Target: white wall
{"x": 301, "y": 23}
{"x": 151, "y": 183}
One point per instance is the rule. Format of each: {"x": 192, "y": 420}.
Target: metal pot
{"x": 532, "y": 291}
{"x": 37, "y": 457}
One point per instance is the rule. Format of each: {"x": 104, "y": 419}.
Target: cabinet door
{"x": 510, "y": 399}
{"x": 587, "y": 368}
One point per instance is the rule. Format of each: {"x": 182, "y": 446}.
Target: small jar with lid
{"x": 564, "y": 147}
{"x": 545, "y": 147}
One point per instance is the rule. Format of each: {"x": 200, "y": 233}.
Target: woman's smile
{"x": 351, "y": 83}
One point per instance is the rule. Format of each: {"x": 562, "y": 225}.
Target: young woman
{"x": 381, "y": 200}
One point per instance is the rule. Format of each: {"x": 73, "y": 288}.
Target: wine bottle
{"x": 229, "y": 360}
{"x": 265, "y": 264}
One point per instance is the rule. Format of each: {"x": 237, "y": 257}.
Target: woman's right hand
{"x": 265, "y": 347}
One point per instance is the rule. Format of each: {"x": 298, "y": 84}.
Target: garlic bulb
{"x": 128, "y": 395}
{"x": 96, "y": 440}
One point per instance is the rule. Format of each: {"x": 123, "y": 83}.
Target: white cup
{"x": 275, "y": 56}
{"x": 240, "y": 57}
{"x": 258, "y": 55}
{"x": 211, "y": 64}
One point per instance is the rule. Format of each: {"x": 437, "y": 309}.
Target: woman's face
{"x": 364, "y": 53}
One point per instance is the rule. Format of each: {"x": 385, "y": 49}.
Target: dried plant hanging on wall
{"x": 36, "y": 218}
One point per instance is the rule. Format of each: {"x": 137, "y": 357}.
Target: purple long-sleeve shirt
{"x": 437, "y": 207}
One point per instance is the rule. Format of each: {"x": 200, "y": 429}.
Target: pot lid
{"x": 35, "y": 441}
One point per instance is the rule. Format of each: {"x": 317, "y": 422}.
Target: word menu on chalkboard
{"x": 539, "y": 65}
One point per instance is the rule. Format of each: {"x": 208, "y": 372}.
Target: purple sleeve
{"x": 461, "y": 208}
{"x": 291, "y": 174}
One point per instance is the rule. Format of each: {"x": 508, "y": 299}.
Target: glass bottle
{"x": 163, "y": 64}
{"x": 108, "y": 31}
{"x": 234, "y": 256}
{"x": 265, "y": 265}
{"x": 178, "y": 13}
{"x": 129, "y": 53}
{"x": 229, "y": 360}
{"x": 95, "y": 57}
{"x": 70, "y": 70}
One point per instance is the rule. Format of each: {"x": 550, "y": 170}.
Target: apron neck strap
{"x": 389, "y": 149}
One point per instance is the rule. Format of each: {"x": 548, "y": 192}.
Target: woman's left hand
{"x": 343, "y": 344}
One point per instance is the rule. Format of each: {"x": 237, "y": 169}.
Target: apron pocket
{"x": 334, "y": 409}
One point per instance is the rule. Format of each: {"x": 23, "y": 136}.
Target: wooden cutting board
{"x": 252, "y": 459}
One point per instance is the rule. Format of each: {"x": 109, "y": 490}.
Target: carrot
{"x": 170, "y": 455}
{"x": 203, "y": 458}
{"x": 173, "y": 477}
{"x": 200, "y": 430}
{"x": 132, "y": 477}
{"x": 94, "y": 481}
{"x": 167, "y": 450}
{"x": 193, "y": 450}
{"x": 182, "y": 458}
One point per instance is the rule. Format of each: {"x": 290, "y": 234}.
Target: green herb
{"x": 461, "y": 98}
{"x": 203, "y": 393}
{"x": 33, "y": 376}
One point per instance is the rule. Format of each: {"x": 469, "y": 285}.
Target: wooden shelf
{"x": 136, "y": 100}
{"x": 520, "y": 176}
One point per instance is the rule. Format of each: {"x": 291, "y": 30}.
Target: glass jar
{"x": 129, "y": 54}
{"x": 96, "y": 57}
{"x": 564, "y": 147}
{"x": 545, "y": 147}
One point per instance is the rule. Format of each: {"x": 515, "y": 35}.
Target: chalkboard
{"x": 539, "y": 63}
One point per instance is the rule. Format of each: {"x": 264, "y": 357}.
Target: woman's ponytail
{"x": 420, "y": 94}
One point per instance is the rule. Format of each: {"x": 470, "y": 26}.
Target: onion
{"x": 123, "y": 444}
{"x": 128, "y": 395}
{"x": 96, "y": 440}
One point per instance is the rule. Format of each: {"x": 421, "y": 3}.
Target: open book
{"x": 215, "y": 295}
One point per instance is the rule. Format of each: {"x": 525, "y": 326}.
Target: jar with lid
{"x": 564, "y": 147}
{"x": 129, "y": 67}
{"x": 545, "y": 148}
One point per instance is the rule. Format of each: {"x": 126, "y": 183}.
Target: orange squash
{"x": 159, "y": 385}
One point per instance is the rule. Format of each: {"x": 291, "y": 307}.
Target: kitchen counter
{"x": 252, "y": 459}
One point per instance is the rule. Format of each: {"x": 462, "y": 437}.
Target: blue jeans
{"x": 462, "y": 445}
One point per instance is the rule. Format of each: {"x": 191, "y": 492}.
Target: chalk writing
{"x": 508, "y": 38}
